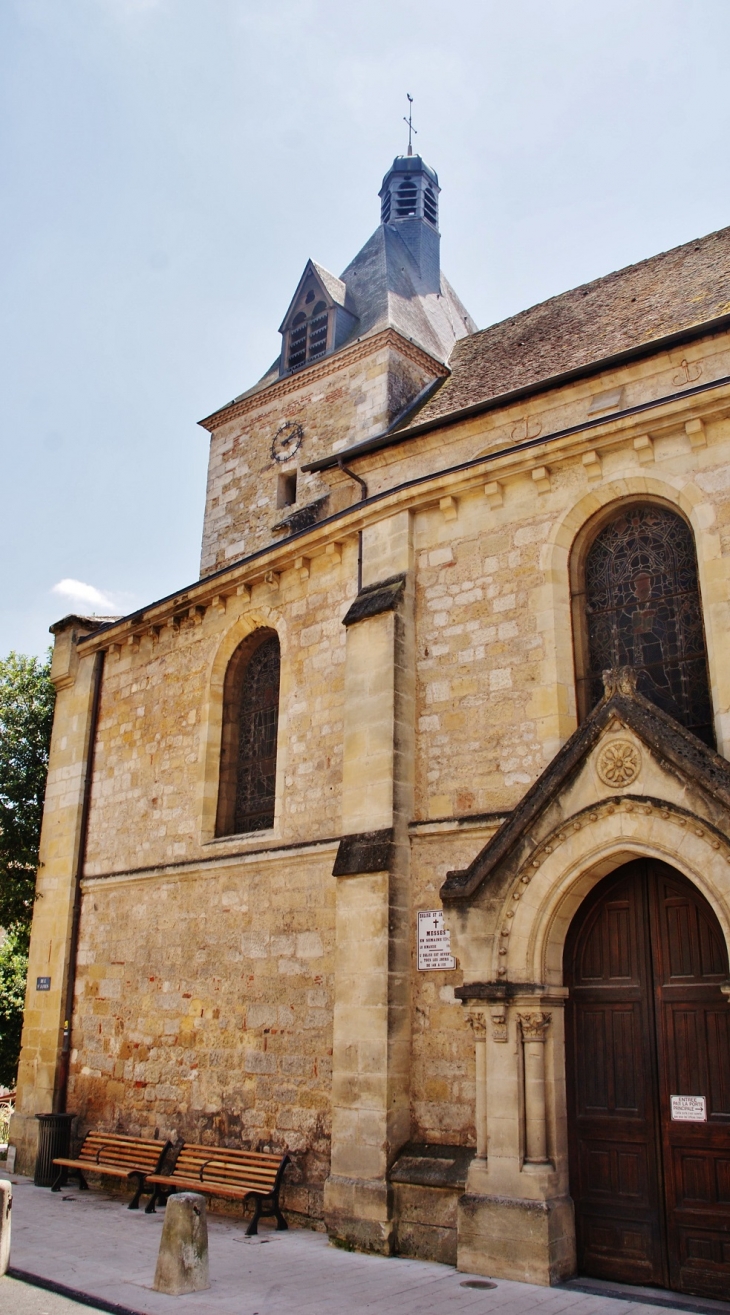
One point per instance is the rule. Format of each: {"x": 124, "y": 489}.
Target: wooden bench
{"x": 116, "y": 1156}
{"x": 235, "y": 1175}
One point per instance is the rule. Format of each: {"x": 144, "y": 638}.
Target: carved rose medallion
{"x": 619, "y": 763}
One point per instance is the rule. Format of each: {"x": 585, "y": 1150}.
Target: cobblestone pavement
{"x": 91, "y": 1243}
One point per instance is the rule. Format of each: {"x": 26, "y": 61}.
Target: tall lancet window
{"x": 247, "y": 788}
{"x": 641, "y": 607}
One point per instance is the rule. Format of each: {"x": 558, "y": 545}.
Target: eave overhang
{"x": 310, "y": 374}
{"x": 391, "y": 437}
{"x": 413, "y": 492}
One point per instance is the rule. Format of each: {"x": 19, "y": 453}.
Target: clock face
{"x": 287, "y": 440}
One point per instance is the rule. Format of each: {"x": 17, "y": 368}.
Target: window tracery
{"x": 247, "y": 789}
{"x": 642, "y": 609}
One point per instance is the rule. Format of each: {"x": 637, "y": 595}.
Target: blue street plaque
{"x": 42, "y": 983}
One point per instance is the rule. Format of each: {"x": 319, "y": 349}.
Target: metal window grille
{"x": 258, "y": 727}
{"x": 643, "y": 610}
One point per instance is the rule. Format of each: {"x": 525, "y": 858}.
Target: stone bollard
{"x": 182, "y": 1263}
{"x": 6, "y": 1201}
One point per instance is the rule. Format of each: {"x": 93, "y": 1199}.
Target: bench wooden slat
{"x": 221, "y": 1171}
{"x": 251, "y": 1184}
{"x": 109, "y": 1169}
{"x": 115, "y": 1155}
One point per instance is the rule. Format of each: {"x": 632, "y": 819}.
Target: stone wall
{"x": 342, "y": 400}
{"x": 204, "y": 1009}
{"x": 206, "y": 990}
{"x": 156, "y": 753}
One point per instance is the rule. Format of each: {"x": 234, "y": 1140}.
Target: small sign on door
{"x": 688, "y": 1109}
{"x": 434, "y": 942}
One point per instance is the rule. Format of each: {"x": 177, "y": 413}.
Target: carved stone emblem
{"x": 619, "y": 680}
{"x": 619, "y": 763}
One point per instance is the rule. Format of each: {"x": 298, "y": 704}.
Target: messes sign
{"x": 434, "y": 942}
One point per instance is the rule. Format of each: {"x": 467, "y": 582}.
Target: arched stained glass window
{"x": 642, "y": 609}
{"x": 247, "y": 789}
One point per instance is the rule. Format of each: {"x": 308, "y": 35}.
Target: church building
{"x": 400, "y": 839}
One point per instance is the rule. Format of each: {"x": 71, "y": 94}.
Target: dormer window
{"x": 317, "y": 321}
{"x": 308, "y": 333}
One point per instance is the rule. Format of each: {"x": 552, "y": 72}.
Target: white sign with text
{"x": 434, "y": 942}
{"x": 688, "y": 1109}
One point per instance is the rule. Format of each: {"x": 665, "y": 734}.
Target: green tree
{"x": 26, "y": 717}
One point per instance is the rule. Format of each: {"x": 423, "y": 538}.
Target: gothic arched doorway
{"x": 646, "y": 1022}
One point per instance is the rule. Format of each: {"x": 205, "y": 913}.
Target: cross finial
{"x": 409, "y": 121}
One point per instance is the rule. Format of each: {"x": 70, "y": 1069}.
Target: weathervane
{"x": 409, "y": 121}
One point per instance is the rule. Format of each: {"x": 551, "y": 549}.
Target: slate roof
{"x": 383, "y": 288}
{"x": 386, "y": 291}
{"x": 334, "y": 286}
{"x": 666, "y": 294}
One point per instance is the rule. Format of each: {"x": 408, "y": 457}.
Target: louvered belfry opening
{"x": 642, "y": 609}
{"x": 430, "y": 206}
{"x": 406, "y": 199}
{"x": 247, "y": 787}
{"x": 308, "y": 333}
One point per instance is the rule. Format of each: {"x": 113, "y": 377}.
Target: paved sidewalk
{"x": 18, "y": 1298}
{"x": 90, "y": 1243}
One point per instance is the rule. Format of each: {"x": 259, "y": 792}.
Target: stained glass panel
{"x": 258, "y": 727}
{"x": 643, "y": 610}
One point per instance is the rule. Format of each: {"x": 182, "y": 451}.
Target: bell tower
{"x": 409, "y": 202}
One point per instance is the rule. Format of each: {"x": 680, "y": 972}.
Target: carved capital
{"x": 499, "y": 1025}
{"x": 534, "y": 1026}
{"x": 478, "y": 1024}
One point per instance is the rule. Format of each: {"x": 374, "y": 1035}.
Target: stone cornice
{"x": 416, "y": 493}
{"x": 294, "y": 383}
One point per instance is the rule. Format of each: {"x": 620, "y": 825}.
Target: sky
{"x": 168, "y": 166}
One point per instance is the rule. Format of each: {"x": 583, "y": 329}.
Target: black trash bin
{"x": 54, "y": 1139}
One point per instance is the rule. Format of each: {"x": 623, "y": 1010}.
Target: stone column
{"x": 534, "y": 1030}
{"x": 479, "y": 1028}
{"x": 516, "y": 1216}
{"x": 371, "y": 1041}
{"x": 49, "y": 960}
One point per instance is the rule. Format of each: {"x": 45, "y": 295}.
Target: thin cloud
{"x": 85, "y": 595}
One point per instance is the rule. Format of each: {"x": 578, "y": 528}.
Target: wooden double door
{"x": 647, "y": 1022}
